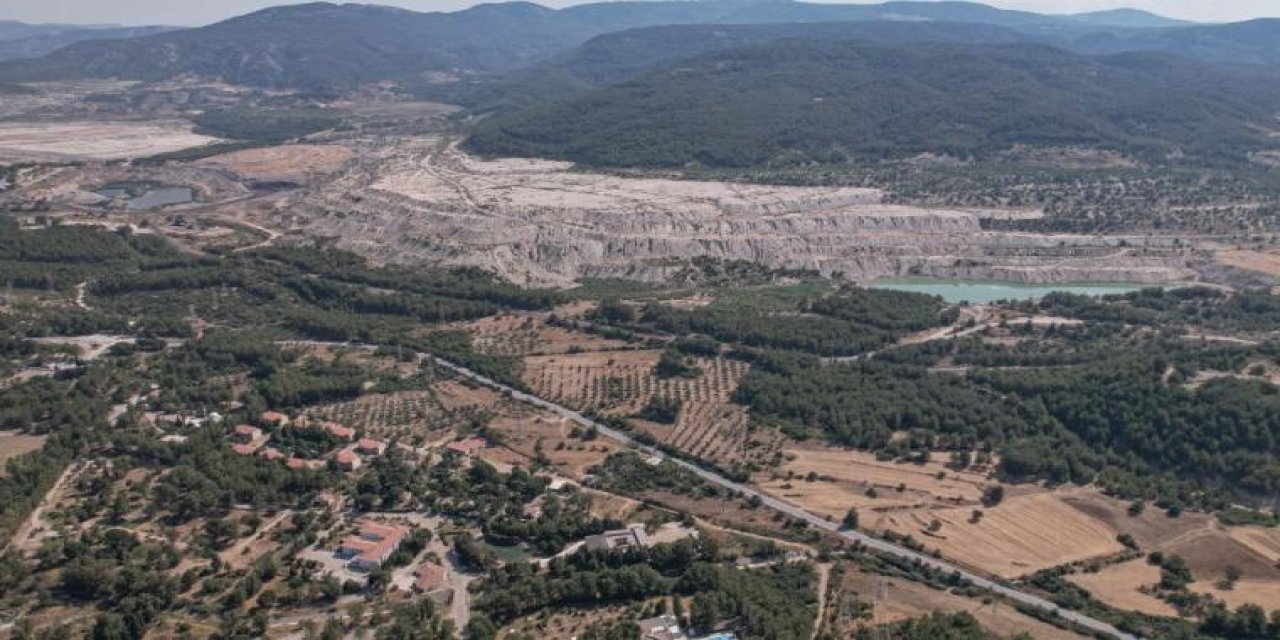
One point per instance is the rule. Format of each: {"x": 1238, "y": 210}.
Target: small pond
{"x": 986, "y": 291}
{"x": 145, "y": 197}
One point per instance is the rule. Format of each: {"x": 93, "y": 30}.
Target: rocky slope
{"x": 538, "y": 222}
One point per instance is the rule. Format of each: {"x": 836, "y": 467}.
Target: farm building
{"x": 631, "y": 537}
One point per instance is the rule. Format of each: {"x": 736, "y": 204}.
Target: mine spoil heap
{"x": 541, "y": 223}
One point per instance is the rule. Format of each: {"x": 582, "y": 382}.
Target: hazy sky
{"x": 192, "y": 12}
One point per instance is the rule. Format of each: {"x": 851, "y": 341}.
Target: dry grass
{"x": 1264, "y": 593}
{"x": 525, "y": 432}
{"x": 1118, "y": 585}
{"x": 901, "y": 600}
{"x": 1020, "y": 536}
{"x": 1267, "y": 263}
{"x": 13, "y": 445}
{"x": 1152, "y": 530}
{"x": 863, "y": 469}
{"x": 453, "y": 396}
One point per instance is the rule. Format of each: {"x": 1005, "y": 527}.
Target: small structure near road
{"x": 246, "y": 433}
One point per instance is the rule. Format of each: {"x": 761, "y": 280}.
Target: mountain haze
{"x": 328, "y": 45}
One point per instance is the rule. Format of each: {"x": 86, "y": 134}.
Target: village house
{"x": 244, "y": 449}
{"x": 466, "y": 447}
{"x": 348, "y": 460}
{"x": 371, "y": 447}
{"x": 338, "y": 431}
{"x": 271, "y": 453}
{"x": 246, "y": 433}
{"x": 429, "y": 577}
{"x": 633, "y": 536}
{"x": 274, "y": 418}
{"x": 372, "y": 545}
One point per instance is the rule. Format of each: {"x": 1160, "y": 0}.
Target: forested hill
{"x": 330, "y": 45}
{"x": 618, "y": 56}
{"x": 812, "y": 100}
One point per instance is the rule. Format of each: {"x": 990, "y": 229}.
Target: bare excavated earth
{"x": 540, "y": 222}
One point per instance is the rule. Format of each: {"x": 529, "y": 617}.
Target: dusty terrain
{"x": 55, "y": 141}
{"x": 897, "y": 600}
{"x": 1118, "y": 585}
{"x": 14, "y": 444}
{"x": 286, "y": 163}
{"x": 541, "y": 222}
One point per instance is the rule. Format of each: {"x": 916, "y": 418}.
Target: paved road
{"x": 794, "y": 511}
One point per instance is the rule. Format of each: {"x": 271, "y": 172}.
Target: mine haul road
{"x": 1020, "y": 597}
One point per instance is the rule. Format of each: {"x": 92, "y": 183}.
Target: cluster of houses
{"x": 251, "y": 440}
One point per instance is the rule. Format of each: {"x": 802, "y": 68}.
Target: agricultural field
{"x": 531, "y": 434}
{"x": 1120, "y": 585}
{"x": 621, "y": 383}
{"x": 401, "y": 415}
{"x": 830, "y": 481}
{"x": 897, "y": 600}
{"x": 521, "y": 335}
{"x": 1018, "y": 537}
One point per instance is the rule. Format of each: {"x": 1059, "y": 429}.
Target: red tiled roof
{"x": 296, "y": 463}
{"x": 345, "y": 457}
{"x": 370, "y": 445}
{"x": 468, "y": 446}
{"x": 271, "y": 454}
{"x": 339, "y": 431}
{"x": 274, "y": 417}
{"x": 247, "y": 430}
{"x": 243, "y": 449}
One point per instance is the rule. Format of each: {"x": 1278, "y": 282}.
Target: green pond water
{"x": 984, "y": 291}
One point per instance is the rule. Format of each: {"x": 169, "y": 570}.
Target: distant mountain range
{"x": 1128, "y": 18}
{"x": 327, "y": 45}
{"x": 807, "y": 100}
{"x": 21, "y": 40}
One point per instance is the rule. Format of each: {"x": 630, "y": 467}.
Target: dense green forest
{"x": 812, "y": 318}
{"x": 803, "y": 101}
{"x": 1114, "y": 417}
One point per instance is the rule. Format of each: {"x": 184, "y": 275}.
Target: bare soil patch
{"x": 1020, "y": 536}
{"x": 288, "y": 162}
{"x": 94, "y": 140}
{"x": 1118, "y": 585}
{"x": 14, "y": 444}
{"x": 1267, "y": 263}
{"x": 454, "y": 395}
{"x": 901, "y": 599}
